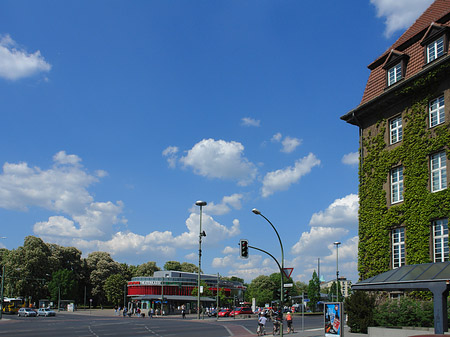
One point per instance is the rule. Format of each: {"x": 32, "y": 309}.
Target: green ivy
{"x": 420, "y": 206}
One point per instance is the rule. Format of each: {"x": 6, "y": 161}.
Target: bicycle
{"x": 261, "y": 330}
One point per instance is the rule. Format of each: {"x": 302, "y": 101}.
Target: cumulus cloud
{"x": 171, "y": 154}
{"x": 289, "y": 143}
{"x": 399, "y": 14}
{"x": 16, "y": 63}
{"x": 342, "y": 212}
{"x": 351, "y": 158}
{"x": 233, "y": 200}
{"x": 247, "y": 121}
{"x": 220, "y": 159}
{"x": 311, "y": 243}
{"x": 281, "y": 180}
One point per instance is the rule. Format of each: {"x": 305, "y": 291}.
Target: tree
{"x": 63, "y": 285}
{"x": 146, "y": 269}
{"x": 101, "y": 266}
{"x": 189, "y": 267}
{"x": 262, "y": 289}
{"x": 114, "y": 289}
{"x": 206, "y": 291}
{"x": 314, "y": 291}
{"x": 172, "y": 265}
{"x": 332, "y": 292}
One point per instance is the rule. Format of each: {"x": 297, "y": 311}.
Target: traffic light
{"x": 286, "y": 293}
{"x": 244, "y": 248}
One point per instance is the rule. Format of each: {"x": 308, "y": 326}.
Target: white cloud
{"x": 170, "y": 152}
{"x": 342, "y": 211}
{"x": 311, "y": 243}
{"x": 281, "y": 180}
{"x": 233, "y": 200}
{"x": 16, "y": 63}
{"x": 290, "y": 144}
{"x": 399, "y": 14}
{"x": 230, "y": 250}
{"x": 277, "y": 137}
{"x": 351, "y": 158}
{"x": 220, "y": 159}
{"x": 247, "y": 121}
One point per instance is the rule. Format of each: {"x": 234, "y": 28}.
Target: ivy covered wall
{"x": 377, "y": 217}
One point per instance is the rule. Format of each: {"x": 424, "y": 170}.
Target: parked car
{"x": 212, "y": 313}
{"x": 26, "y": 312}
{"x": 224, "y": 312}
{"x": 241, "y": 311}
{"x": 46, "y": 312}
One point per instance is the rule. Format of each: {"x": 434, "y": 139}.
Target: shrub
{"x": 359, "y": 307}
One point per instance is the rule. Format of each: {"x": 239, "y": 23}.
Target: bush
{"x": 404, "y": 312}
{"x": 359, "y": 307}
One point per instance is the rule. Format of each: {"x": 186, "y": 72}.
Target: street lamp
{"x": 337, "y": 243}
{"x": 257, "y": 212}
{"x": 202, "y": 233}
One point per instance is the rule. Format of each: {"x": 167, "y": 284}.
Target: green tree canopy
{"x": 314, "y": 291}
{"x": 172, "y": 265}
{"x": 63, "y": 285}
{"x": 114, "y": 289}
{"x": 262, "y": 289}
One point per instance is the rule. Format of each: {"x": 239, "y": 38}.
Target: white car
{"x": 46, "y": 312}
{"x": 26, "y": 312}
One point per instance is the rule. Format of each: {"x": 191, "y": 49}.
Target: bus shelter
{"x": 434, "y": 277}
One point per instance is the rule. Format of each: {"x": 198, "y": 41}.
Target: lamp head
{"x": 200, "y": 203}
{"x": 203, "y": 233}
{"x": 254, "y": 210}
{"x": 337, "y": 243}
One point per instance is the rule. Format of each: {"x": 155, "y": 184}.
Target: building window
{"x": 397, "y": 185}
{"x": 395, "y": 74}
{"x": 438, "y": 166}
{"x": 437, "y": 113}
{"x": 435, "y": 49}
{"x": 396, "y": 130}
{"x": 440, "y": 239}
{"x": 398, "y": 247}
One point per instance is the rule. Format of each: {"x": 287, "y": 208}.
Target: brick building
{"x": 403, "y": 120}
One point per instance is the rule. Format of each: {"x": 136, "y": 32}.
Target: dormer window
{"x": 394, "y": 74}
{"x": 435, "y": 49}
{"x": 395, "y": 66}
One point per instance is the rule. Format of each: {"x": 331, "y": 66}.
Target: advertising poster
{"x": 333, "y": 320}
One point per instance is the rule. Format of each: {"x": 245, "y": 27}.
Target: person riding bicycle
{"x": 277, "y": 320}
{"x": 262, "y": 325}
{"x": 289, "y": 322}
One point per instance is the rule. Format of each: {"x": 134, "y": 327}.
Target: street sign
{"x": 288, "y": 285}
{"x": 287, "y": 272}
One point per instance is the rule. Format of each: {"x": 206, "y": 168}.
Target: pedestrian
{"x": 151, "y": 312}
{"x": 290, "y": 329}
{"x": 183, "y": 311}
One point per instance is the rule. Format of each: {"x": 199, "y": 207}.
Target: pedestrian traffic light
{"x": 286, "y": 293}
{"x": 244, "y": 248}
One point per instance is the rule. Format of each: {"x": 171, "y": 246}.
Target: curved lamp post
{"x": 257, "y": 212}
{"x": 337, "y": 243}
{"x": 202, "y": 233}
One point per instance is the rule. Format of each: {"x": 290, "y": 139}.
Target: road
{"x": 83, "y": 324}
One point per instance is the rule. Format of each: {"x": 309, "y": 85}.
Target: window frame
{"x": 397, "y": 130}
{"x": 397, "y": 72}
{"x": 434, "y": 44}
{"x": 398, "y": 247}
{"x": 440, "y": 171}
{"x": 438, "y": 112}
{"x": 440, "y": 240}
{"x": 397, "y": 185}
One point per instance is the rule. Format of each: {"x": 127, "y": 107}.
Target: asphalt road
{"x": 83, "y": 324}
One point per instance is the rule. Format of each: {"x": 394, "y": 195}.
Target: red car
{"x": 224, "y": 312}
{"x": 242, "y": 311}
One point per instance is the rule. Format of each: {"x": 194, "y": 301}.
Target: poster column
{"x": 333, "y": 313}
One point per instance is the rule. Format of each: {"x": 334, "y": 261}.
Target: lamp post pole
{"x": 257, "y": 212}
{"x": 201, "y": 204}
{"x": 337, "y": 243}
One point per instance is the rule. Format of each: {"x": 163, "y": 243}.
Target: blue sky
{"x": 118, "y": 116}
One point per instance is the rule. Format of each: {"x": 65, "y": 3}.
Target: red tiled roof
{"x": 377, "y": 78}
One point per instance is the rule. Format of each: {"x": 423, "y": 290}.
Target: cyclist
{"x": 289, "y": 322}
{"x": 277, "y": 320}
{"x": 261, "y": 325}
